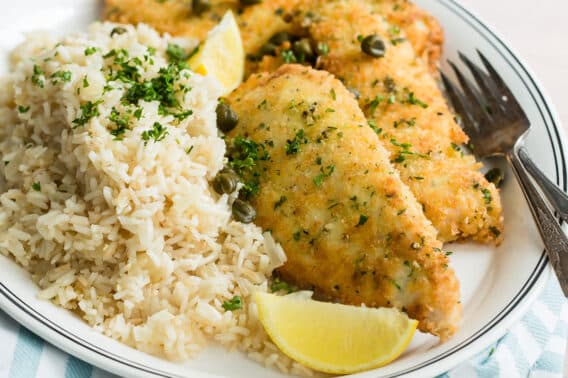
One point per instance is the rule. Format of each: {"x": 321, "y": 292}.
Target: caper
{"x": 303, "y": 48}
{"x": 200, "y": 6}
{"x": 279, "y": 38}
{"x": 249, "y": 2}
{"x": 227, "y": 119}
{"x": 243, "y": 211}
{"x": 225, "y": 183}
{"x": 355, "y": 92}
{"x": 268, "y": 49}
{"x": 374, "y": 46}
{"x": 496, "y": 176}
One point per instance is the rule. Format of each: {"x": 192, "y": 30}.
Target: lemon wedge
{"x": 334, "y": 338}
{"x": 221, "y": 54}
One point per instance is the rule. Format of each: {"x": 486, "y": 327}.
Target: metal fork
{"x": 497, "y": 126}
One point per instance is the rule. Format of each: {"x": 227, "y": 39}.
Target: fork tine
{"x": 484, "y": 82}
{"x": 506, "y": 95}
{"x": 476, "y": 108}
{"x": 460, "y": 106}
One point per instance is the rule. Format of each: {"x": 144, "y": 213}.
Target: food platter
{"x": 498, "y": 284}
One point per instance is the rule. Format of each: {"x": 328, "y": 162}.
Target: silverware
{"x": 497, "y": 126}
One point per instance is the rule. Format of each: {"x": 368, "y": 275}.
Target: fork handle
{"x": 556, "y": 196}
{"x": 554, "y": 238}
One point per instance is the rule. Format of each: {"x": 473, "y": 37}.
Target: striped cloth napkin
{"x": 534, "y": 348}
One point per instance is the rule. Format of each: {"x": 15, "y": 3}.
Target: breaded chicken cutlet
{"x": 405, "y": 107}
{"x": 326, "y": 189}
{"x": 258, "y": 23}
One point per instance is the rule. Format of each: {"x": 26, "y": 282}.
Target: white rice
{"x": 126, "y": 234}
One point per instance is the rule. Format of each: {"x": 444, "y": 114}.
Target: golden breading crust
{"x": 422, "y": 30}
{"x": 404, "y": 105}
{"x": 350, "y": 228}
{"x": 259, "y": 22}
{"x": 174, "y": 17}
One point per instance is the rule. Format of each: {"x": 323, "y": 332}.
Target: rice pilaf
{"x": 108, "y": 146}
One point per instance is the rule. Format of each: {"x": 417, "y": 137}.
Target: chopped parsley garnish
{"x": 235, "y": 303}
{"x": 373, "y": 126}
{"x": 118, "y": 133}
{"x": 88, "y": 111}
{"x": 178, "y": 55}
{"x": 325, "y": 172}
{"x": 85, "y": 82}
{"x": 278, "y": 285}
{"x": 23, "y": 109}
{"x": 138, "y": 113}
{"x": 394, "y": 30}
{"x": 396, "y": 41}
{"x": 38, "y": 76}
{"x": 288, "y": 56}
{"x": 409, "y": 122}
{"x": 323, "y": 48}
{"x": 412, "y": 100}
{"x": 293, "y": 146}
{"x": 161, "y": 88}
{"x": 120, "y": 122}
{"x": 90, "y": 51}
{"x": 183, "y": 115}
{"x": 362, "y": 220}
{"x": 36, "y": 186}
{"x": 244, "y": 154}
{"x": 333, "y": 94}
{"x": 487, "y": 195}
{"x": 404, "y": 146}
{"x": 157, "y": 133}
{"x": 175, "y": 52}
{"x": 280, "y": 202}
{"x": 375, "y": 103}
{"x": 405, "y": 151}
{"x": 122, "y": 68}
{"x": 64, "y": 76}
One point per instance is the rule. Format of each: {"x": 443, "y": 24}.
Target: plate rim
{"x": 492, "y": 330}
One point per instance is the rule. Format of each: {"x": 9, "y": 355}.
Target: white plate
{"x": 498, "y": 284}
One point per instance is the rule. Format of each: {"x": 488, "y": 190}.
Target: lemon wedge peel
{"x": 334, "y": 338}
{"x": 222, "y": 55}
